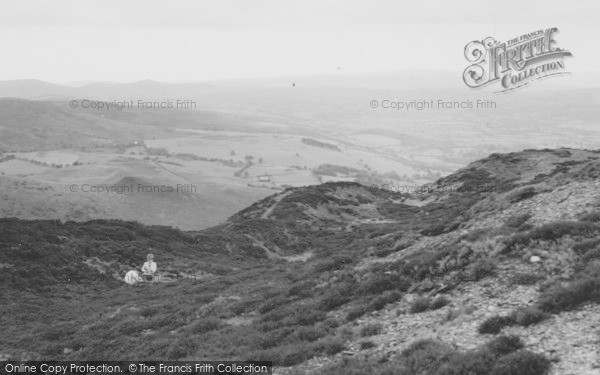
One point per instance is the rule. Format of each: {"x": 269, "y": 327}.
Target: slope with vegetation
{"x": 437, "y": 282}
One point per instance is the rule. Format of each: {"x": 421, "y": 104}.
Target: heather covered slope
{"x": 311, "y": 275}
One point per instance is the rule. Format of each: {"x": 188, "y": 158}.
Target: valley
{"x": 237, "y": 148}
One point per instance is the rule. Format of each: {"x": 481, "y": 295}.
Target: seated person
{"x": 149, "y": 268}
{"x": 132, "y": 277}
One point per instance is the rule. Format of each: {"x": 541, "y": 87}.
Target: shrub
{"x": 522, "y": 362}
{"x": 358, "y": 366}
{"x": 292, "y": 357}
{"x": 584, "y": 246}
{"x": 561, "y": 298}
{"x": 272, "y": 304}
{"x": 329, "y": 345}
{"x": 552, "y": 282}
{"x": 522, "y": 278}
{"x": 333, "y": 264}
{"x": 181, "y": 348}
{"x": 205, "y": 298}
{"x": 481, "y": 268}
{"x": 438, "y": 302}
{"x": 523, "y": 316}
{"x": 526, "y": 316}
{"x": 380, "y": 285}
{"x": 522, "y": 194}
{"x": 205, "y": 325}
{"x": 364, "y": 305}
{"x": 503, "y": 345}
{"x": 356, "y": 312}
{"x": 424, "y": 356}
{"x": 593, "y": 217}
{"x": 270, "y": 339}
{"x": 551, "y": 232}
{"x": 310, "y": 334}
{"x": 302, "y": 289}
{"x": 477, "y": 234}
{"x": 420, "y": 304}
{"x": 517, "y": 221}
{"x": 244, "y": 306}
{"x": 62, "y": 331}
{"x": 499, "y": 357}
{"x": 591, "y": 255}
{"x": 433, "y": 230}
{"x": 379, "y": 302}
{"x": 332, "y": 300}
{"x": 307, "y": 318}
{"x": 331, "y": 323}
{"x": 370, "y": 329}
{"x": 367, "y": 345}
{"x": 148, "y": 312}
{"x": 295, "y": 353}
{"x": 166, "y": 321}
{"x": 380, "y": 253}
{"x": 495, "y": 324}
{"x": 451, "y": 314}
{"x": 478, "y": 362}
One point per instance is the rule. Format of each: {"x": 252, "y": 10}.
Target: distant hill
{"x": 44, "y": 125}
{"x": 482, "y": 268}
{"x": 32, "y": 125}
{"x": 34, "y": 89}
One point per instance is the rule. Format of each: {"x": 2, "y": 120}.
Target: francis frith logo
{"x": 515, "y": 63}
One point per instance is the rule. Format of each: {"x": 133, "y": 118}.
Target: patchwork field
{"x": 183, "y": 194}
{"x": 284, "y": 150}
{"x": 192, "y": 181}
{"x": 49, "y": 157}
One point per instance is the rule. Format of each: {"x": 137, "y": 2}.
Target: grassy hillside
{"x": 28, "y": 125}
{"x": 477, "y": 275}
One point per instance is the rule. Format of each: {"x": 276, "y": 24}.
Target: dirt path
{"x": 277, "y": 199}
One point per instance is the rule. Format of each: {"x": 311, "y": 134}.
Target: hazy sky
{"x": 62, "y": 41}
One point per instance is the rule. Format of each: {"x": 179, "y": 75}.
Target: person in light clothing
{"x": 149, "y": 268}
{"x": 132, "y": 278}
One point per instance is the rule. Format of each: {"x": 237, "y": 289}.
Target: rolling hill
{"x": 46, "y": 147}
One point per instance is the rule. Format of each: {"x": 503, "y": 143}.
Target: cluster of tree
{"x": 6, "y": 158}
{"x": 40, "y": 163}
{"x": 314, "y": 142}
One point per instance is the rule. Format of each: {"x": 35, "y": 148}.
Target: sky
{"x": 180, "y": 40}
